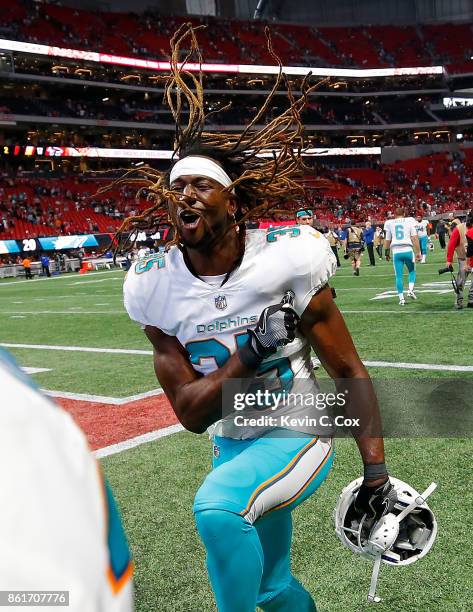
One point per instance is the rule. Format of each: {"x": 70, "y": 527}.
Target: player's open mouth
{"x": 189, "y": 219}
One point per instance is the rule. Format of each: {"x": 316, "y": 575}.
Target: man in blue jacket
{"x": 368, "y": 237}
{"x": 45, "y": 265}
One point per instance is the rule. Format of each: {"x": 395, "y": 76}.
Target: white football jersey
{"x": 399, "y": 231}
{"x": 211, "y": 321}
{"x": 59, "y": 526}
{"x": 421, "y": 227}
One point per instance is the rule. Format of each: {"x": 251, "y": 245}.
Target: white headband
{"x": 200, "y": 166}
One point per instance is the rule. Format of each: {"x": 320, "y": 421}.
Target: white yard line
{"x": 64, "y": 312}
{"x": 67, "y": 276}
{"x": 113, "y": 449}
{"x": 103, "y": 399}
{"x": 87, "y": 349}
{"x": 418, "y": 366}
{"x": 35, "y": 370}
{"x": 78, "y": 349}
{"x": 403, "y": 310}
{"x": 370, "y": 275}
{"x": 73, "y": 295}
{"x": 100, "y": 280}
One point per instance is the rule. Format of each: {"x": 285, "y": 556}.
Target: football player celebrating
{"x": 402, "y": 239}
{"x": 212, "y": 309}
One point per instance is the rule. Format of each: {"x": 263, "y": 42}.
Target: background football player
{"x": 403, "y": 242}
{"x": 422, "y": 227}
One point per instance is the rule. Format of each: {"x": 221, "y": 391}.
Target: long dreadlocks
{"x": 264, "y": 164}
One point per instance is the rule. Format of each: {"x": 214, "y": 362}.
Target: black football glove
{"x": 276, "y": 327}
{"x": 375, "y": 502}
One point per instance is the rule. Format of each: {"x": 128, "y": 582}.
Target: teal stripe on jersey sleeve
{"x": 120, "y": 556}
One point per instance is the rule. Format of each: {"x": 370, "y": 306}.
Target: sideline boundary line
{"x": 103, "y": 399}
{"x": 157, "y": 434}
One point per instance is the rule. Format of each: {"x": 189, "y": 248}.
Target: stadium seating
{"x": 61, "y": 206}
{"x": 432, "y": 185}
{"x": 147, "y": 35}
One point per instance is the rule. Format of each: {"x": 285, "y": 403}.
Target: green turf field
{"x": 155, "y": 483}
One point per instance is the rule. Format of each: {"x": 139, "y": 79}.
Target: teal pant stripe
{"x": 423, "y": 244}
{"x": 400, "y": 260}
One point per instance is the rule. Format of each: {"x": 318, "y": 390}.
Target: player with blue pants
{"x": 403, "y": 241}
{"x": 242, "y": 499}
{"x": 243, "y": 508}
{"x": 422, "y": 227}
{"x": 212, "y": 308}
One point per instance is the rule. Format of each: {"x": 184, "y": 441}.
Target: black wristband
{"x": 374, "y": 471}
{"x": 248, "y": 357}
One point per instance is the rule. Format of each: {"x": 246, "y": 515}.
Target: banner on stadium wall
{"x": 8, "y": 246}
{"x": 64, "y": 243}
{"x": 58, "y": 243}
{"x": 53, "y": 151}
{"x": 135, "y": 62}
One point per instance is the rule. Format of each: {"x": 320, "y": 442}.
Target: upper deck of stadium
{"x": 239, "y": 42}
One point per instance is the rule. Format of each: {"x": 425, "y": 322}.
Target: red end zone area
{"x": 105, "y": 424}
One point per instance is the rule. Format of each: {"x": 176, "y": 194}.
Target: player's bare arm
{"x": 196, "y": 399}
{"x": 323, "y": 325}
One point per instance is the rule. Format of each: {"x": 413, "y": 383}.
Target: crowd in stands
{"x": 432, "y": 185}
{"x": 51, "y": 207}
{"x": 147, "y": 35}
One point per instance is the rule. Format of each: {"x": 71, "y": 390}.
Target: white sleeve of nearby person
{"x": 54, "y": 514}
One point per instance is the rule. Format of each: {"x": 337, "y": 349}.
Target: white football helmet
{"x": 401, "y": 537}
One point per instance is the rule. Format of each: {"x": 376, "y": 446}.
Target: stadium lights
{"x": 106, "y": 58}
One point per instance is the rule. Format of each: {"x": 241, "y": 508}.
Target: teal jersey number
{"x": 208, "y": 349}
{"x": 145, "y": 265}
{"x": 399, "y": 232}
{"x": 273, "y": 235}
{"x": 220, "y": 353}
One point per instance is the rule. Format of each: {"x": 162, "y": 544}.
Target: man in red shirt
{"x": 461, "y": 243}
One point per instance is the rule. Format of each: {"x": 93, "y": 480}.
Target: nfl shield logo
{"x": 221, "y": 302}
